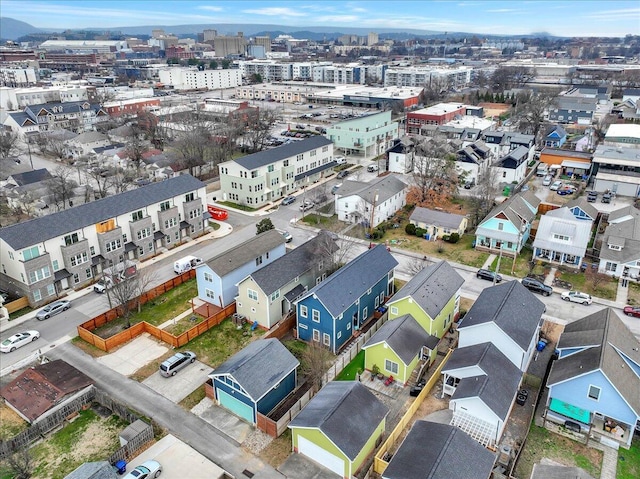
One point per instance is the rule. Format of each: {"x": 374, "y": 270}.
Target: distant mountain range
{"x": 11, "y": 29}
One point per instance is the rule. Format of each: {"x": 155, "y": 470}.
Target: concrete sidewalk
{"x": 224, "y": 230}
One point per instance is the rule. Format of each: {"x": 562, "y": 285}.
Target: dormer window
{"x": 615, "y": 247}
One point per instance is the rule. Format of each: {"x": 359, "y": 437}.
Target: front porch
{"x": 557, "y": 257}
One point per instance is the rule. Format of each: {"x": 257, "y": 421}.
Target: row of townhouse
{"x": 78, "y": 116}
{"x": 43, "y": 257}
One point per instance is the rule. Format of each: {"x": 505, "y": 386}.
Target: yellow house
{"x": 438, "y": 223}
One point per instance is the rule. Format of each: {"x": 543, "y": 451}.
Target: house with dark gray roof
{"x": 370, "y": 203}
{"x": 512, "y": 167}
{"x": 509, "y": 316}
{"x": 595, "y": 382}
{"x": 473, "y": 160}
{"x": 255, "y": 379}
{"x": 397, "y": 348}
{"x": 400, "y": 155}
{"x": 268, "y": 294}
{"x": 438, "y": 223}
{"x": 438, "y": 451}
{"x": 29, "y": 177}
{"x": 260, "y": 178}
{"x": 334, "y": 310}
{"x": 620, "y": 251}
{"x": 482, "y": 383}
{"x": 340, "y": 427}
{"x": 218, "y": 277}
{"x": 432, "y": 298}
{"x": 555, "y": 137}
{"x": 78, "y": 116}
{"x": 47, "y": 256}
{"x": 93, "y": 470}
{"x": 568, "y": 109}
{"x": 506, "y": 229}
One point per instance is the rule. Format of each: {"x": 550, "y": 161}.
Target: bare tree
{"x": 485, "y": 193}
{"x": 335, "y": 250}
{"x": 417, "y": 265}
{"x": 257, "y": 127}
{"x": 60, "y": 187}
{"x": 51, "y": 142}
{"x": 531, "y": 110}
{"x": 122, "y": 180}
{"x": 595, "y": 277}
{"x": 193, "y": 143}
{"x": 19, "y": 465}
{"x": 124, "y": 291}
{"x": 434, "y": 176}
{"x": 9, "y": 143}
{"x": 136, "y": 147}
{"x": 101, "y": 180}
{"x": 505, "y": 78}
{"x": 315, "y": 362}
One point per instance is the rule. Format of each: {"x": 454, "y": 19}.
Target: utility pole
{"x": 495, "y": 273}
{"x": 373, "y": 212}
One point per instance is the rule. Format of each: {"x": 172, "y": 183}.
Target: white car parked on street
{"x": 18, "y": 340}
{"x": 577, "y": 297}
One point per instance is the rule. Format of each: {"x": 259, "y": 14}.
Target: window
{"x": 37, "y": 296}
{"x": 170, "y": 223}
{"x": 377, "y": 302}
{"x": 254, "y": 174}
{"x": 316, "y": 335}
{"x": 339, "y": 334}
{"x": 87, "y": 273}
{"x": 51, "y": 290}
{"x": 92, "y": 250}
{"x": 39, "y": 274}
{"x": 275, "y": 295}
{"x": 79, "y": 259}
{"x": 56, "y": 267}
{"x": 144, "y": 233}
{"x": 71, "y": 239}
{"x": 394, "y": 310}
{"x": 252, "y": 294}
{"x": 113, "y": 245}
{"x": 208, "y": 277}
{"x": 189, "y": 197}
{"x": 165, "y": 205}
{"x": 390, "y": 366}
{"x": 258, "y": 260}
{"x": 30, "y": 253}
{"x": 348, "y": 326}
{"x": 315, "y": 315}
{"x": 326, "y": 339}
{"x": 594, "y": 392}
{"x": 210, "y": 293}
{"x": 365, "y": 312}
{"x": 194, "y": 213}
{"x": 137, "y": 215}
{"x": 76, "y": 278}
{"x": 303, "y": 311}
{"x": 303, "y": 326}
{"x": 500, "y": 226}
{"x": 609, "y": 266}
{"x": 270, "y": 168}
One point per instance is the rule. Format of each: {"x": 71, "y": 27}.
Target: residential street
{"x": 188, "y": 427}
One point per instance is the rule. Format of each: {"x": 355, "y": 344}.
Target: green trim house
{"x": 397, "y": 347}
{"x": 432, "y": 297}
{"x": 340, "y": 427}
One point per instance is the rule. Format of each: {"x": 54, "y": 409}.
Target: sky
{"x": 557, "y": 17}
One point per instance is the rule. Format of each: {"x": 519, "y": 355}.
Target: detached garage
{"x": 255, "y": 379}
{"x": 340, "y": 427}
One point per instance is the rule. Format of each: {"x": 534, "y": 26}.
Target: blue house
{"x": 255, "y": 379}
{"x": 595, "y": 382}
{"x": 555, "y": 137}
{"x": 507, "y": 227}
{"x": 218, "y": 277}
{"x": 335, "y": 309}
{"x": 582, "y": 209}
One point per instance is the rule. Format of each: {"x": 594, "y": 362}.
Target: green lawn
{"x": 629, "y": 462}
{"x": 349, "y": 373}
{"x": 236, "y": 206}
{"x": 161, "y": 309}
{"x": 296, "y": 347}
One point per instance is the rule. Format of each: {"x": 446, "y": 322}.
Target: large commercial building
{"x": 43, "y": 257}
{"x": 194, "y": 79}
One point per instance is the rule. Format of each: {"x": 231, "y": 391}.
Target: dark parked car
{"x": 592, "y": 196}
{"x": 537, "y": 286}
{"x": 343, "y": 174}
{"x": 488, "y": 275}
{"x": 288, "y": 200}
{"x": 606, "y": 198}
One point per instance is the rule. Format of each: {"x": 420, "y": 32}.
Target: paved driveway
{"x": 178, "y": 387}
{"x": 224, "y": 421}
{"x": 299, "y": 466}
{"x": 176, "y": 458}
{"x": 135, "y": 354}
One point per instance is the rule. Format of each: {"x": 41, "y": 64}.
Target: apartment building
{"x": 194, "y": 79}
{"x": 257, "y": 179}
{"x": 368, "y": 135}
{"x": 43, "y": 257}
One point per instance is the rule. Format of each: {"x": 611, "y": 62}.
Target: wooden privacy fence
{"x": 276, "y": 427}
{"x": 17, "y": 305}
{"x": 108, "y": 344}
{"x": 379, "y": 461}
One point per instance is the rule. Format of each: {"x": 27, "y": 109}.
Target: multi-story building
{"x": 257, "y": 179}
{"x": 434, "y": 115}
{"x": 454, "y": 78}
{"x": 43, "y": 257}
{"x": 226, "y": 46}
{"x": 17, "y": 98}
{"x": 194, "y": 79}
{"x": 18, "y": 76}
{"x": 369, "y": 135}
{"x": 78, "y": 116}
{"x": 85, "y": 46}
{"x": 130, "y": 107}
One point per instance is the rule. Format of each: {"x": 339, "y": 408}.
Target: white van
{"x": 186, "y": 263}
{"x": 372, "y": 168}
{"x": 340, "y": 160}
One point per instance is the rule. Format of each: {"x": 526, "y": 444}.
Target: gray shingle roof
{"x": 438, "y": 451}
{"x": 384, "y": 187}
{"x": 295, "y": 263}
{"x": 30, "y": 177}
{"x": 259, "y": 366}
{"x": 624, "y": 224}
{"x": 432, "y": 287}
{"x": 512, "y": 307}
{"x": 346, "y": 412}
{"x": 607, "y": 341}
{"x": 403, "y": 335}
{"x": 516, "y": 208}
{"x": 497, "y": 387}
{"x": 437, "y": 218}
{"x": 345, "y": 286}
{"x": 32, "y": 232}
{"x": 266, "y": 157}
{"x": 585, "y": 206}
{"x": 242, "y": 253}
{"x": 93, "y": 470}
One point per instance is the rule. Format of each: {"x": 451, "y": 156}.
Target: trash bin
{"x": 506, "y": 191}
{"x": 121, "y": 466}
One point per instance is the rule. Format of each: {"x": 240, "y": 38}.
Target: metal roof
{"x": 267, "y": 157}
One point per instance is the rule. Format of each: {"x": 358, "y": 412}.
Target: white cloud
{"x": 210, "y": 8}
{"x": 276, "y": 12}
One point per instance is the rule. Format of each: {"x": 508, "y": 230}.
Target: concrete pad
{"x": 178, "y": 387}
{"x": 299, "y": 465}
{"x": 135, "y": 354}
{"x": 226, "y": 422}
{"x": 443, "y": 416}
{"x": 178, "y": 459}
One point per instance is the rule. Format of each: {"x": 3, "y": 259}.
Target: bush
{"x": 410, "y": 229}
{"x": 421, "y": 232}
{"x": 453, "y": 238}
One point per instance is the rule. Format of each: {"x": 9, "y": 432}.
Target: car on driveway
{"x": 286, "y": 235}
{"x": 170, "y": 366}
{"x": 536, "y": 286}
{"x": 146, "y": 470}
{"x": 547, "y": 180}
{"x": 606, "y": 198}
{"x": 52, "y": 309}
{"x": 488, "y": 275}
{"x": 18, "y": 340}
{"x": 343, "y": 174}
{"x": 592, "y": 196}
{"x": 556, "y": 186}
{"x": 577, "y": 297}
{"x": 288, "y": 200}
{"x": 632, "y": 311}
{"x": 566, "y": 190}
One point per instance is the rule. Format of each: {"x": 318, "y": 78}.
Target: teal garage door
{"x": 236, "y": 407}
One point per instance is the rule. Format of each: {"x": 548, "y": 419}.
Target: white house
{"x": 512, "y": 167}
{"x": 370, "y": 203}
{"x": 562, "y": 238}
{"x": 400, "y": 156}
